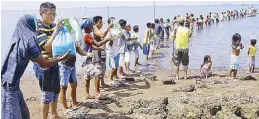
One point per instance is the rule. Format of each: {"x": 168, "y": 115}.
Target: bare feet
{"x": 111, "y": 78}
{"x": 89, "y": 96}
{"x": 104, "y": 86}
{"x": 55, "y": 117}
{"x": 99, "y": 96}
{"x": 177, "y": 77}
{"x": 122, "y": 75}
{"x": 77, "y": 104}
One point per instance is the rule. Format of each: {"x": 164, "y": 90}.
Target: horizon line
{"x": 131, "y": 6}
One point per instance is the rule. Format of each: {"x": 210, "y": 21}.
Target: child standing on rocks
{"x": 251, "y": 55}
{"x": 234, "y": 62}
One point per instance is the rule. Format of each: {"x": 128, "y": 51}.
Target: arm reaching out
{"x": 48, "y": 63}
{"x": 98, "y": 33}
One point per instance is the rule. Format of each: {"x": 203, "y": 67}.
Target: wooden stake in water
{"x": 108, "y": 10}
{"x": 84, "y": 11}
{"x": 154, "y": 10}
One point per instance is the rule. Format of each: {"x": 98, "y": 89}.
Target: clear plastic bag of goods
{"x": 116, "y": 30}
{"x": 75, "y": 30}
{"x": 63, "y": 42}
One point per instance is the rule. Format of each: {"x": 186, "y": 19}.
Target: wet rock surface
{"x": 211, "y": 81}
{"x": 147, "y": 98}
{"x": 151, "y": 78}
{"x": 187, "y": 88}
{"x": 221, "y": 106}
{"x": 168, "y": 81}
{"x": 249, "y": 77}
{"x": 31, "y": 99}
{"x": 121, "y": 83}
{"x": 243, "y": 105}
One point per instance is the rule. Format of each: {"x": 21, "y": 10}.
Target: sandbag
{"x": 63, "y": 42}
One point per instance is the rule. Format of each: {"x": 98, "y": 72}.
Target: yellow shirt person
{"x": 182, "y": 38}
{"x": 252, "y": 51}
{"x": 147, "y": 36}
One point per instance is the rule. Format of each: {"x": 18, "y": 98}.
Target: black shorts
{"x": 49, "y": 79}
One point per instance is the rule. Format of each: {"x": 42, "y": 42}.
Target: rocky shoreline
{"x": 155, "y": 95}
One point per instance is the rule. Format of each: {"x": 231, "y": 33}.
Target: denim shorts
{"x": 49, "y": 81}
{"x": 146, "y": 49}
{"x": 67, "y": 74}
{"x": 13, "y": 104}
{"x": 48, "y": 97}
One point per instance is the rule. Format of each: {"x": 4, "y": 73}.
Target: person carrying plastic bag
{"x": 63, "y": 42}
{"x": 75, "y": 30}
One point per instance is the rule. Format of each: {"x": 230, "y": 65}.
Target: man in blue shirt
{"x": 158, "y": 32}
{"x": 23, "y": 48}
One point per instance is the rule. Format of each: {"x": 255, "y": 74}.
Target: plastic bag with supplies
{"x": 63, "y": 42}
{"x": 75, "y": 30}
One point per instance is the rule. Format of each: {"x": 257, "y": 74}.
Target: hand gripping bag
{"x": 63, "y": 42}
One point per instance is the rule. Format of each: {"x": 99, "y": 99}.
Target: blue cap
{"x": 88, "y": 23}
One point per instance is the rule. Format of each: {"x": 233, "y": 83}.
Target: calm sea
{"x": 214, "y": 40}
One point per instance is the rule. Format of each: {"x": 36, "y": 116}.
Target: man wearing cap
{"x": 181, "y": 45}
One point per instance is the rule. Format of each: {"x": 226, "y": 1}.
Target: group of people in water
{"x": 32, "y": 40}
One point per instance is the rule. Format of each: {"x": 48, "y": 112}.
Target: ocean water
{"x": 214, "y": 40}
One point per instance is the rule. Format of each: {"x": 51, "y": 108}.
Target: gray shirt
{"x": 98, "y": 55}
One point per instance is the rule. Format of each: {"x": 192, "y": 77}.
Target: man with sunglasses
{"x": 49, "y": 80}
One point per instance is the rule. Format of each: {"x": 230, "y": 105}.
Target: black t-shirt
{"x": 71, "y": 62}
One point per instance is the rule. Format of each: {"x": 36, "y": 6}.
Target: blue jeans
{"x": 13, "y": 104}
{"x": 67, "y": 74}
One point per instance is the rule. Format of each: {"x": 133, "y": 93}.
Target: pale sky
{"x": 24, "y": 5}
